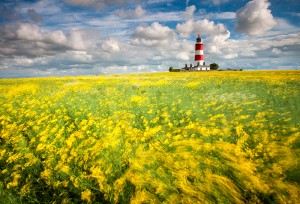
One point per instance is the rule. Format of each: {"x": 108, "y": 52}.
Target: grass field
{"x": 210, "y": 137}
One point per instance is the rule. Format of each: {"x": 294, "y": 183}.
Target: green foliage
{"x": 171, "y": 69}
{"x": 214, "y": 66}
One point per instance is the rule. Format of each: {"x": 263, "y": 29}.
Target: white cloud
{"x": 154, "y": 35}
{"x": 138, "y": 12}
{"x": 221, "y": 15}
{"x": 186, "y": 28}
{"x": 189, "y": 12}
{"x": 57, "y": 37}
{"x": 76, "y": 41}
{"x": 276, "y": 51}
{"x": 155, "y": 31}
{"x": 217, "y": 42}
{"x": 34, "y": 33}
{"x": 29, "y": 32}
{"x": 31, "y": 40}
{"x": 230, "y": 56}
{"x": 247, "y": 53}
{"x": 201, "y": 26}
{"x": 23, "y": 61}
{"x": 255, "y": 18}
{"x": 110, "y": 46}
{"x": 77, "y": 56}
{"x": 185, "y": 56}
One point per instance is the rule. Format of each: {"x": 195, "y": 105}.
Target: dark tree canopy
{"x": 214, "y": 66}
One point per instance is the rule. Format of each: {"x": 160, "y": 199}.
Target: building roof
{"x": 201, "y": 66}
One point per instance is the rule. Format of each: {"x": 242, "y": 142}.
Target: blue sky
{"x": 85, "y": 37}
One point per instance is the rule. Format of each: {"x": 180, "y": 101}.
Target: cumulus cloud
{"x": 110, "y": 46}
{"x": 201, "y": 26}
{"x": 276, "y": 51}
{"x": 34, "y": 33}
{"x": 153, "y": 35}
{"x": 29, "y": 32}
{"x": 255, "y": 18}
{"x": 25, "y": 39}
{"x": 56, "y": 37}
{"x": 76, "y": 40}
{"x": 216, "y": 43}
{"x": 185, "y": 56}
{"x": 138, "y": 12}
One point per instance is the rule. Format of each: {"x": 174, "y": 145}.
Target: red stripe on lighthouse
{"x": 199, "y": 57}
{"x": 199, "y": 47}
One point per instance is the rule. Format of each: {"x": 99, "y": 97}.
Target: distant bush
{"x": 214, "y": 66}
{"x": 171, "y": 69}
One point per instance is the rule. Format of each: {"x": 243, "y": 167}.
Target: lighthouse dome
{"x": 199, "y": 38}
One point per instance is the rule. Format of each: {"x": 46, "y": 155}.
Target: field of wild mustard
{"x": 210, "y": 137}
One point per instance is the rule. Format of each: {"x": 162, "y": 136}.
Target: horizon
{"x": 153, "y": 72}
{"x": 51, "y": 38}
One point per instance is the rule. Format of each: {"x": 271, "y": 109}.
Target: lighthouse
{"x": 199, "y": 54}
{"x": 199, "y": 58}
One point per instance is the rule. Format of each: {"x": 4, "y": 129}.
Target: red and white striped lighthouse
{"x": 199, "y": 54}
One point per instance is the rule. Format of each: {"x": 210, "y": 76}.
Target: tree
{"x": 214, "y": 66}
{"x": 171, "y": 69}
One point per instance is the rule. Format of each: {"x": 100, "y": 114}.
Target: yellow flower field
{"x": 209, "y": 137}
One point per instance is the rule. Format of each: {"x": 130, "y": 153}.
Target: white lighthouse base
{"x": 199, "y": 62}
{"x": 201, "y": 68}
{"x": 196, "y": 68}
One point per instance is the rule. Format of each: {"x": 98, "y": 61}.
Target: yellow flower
{"x": 25, "y": 189}
{"x": 14, "y": 183}
{"x": 4, "y": 171}
{"x": 86, "y": 196}
{"x": 65, "y": 169}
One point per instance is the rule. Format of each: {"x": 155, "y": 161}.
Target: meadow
{"x": 209, "y": 137}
